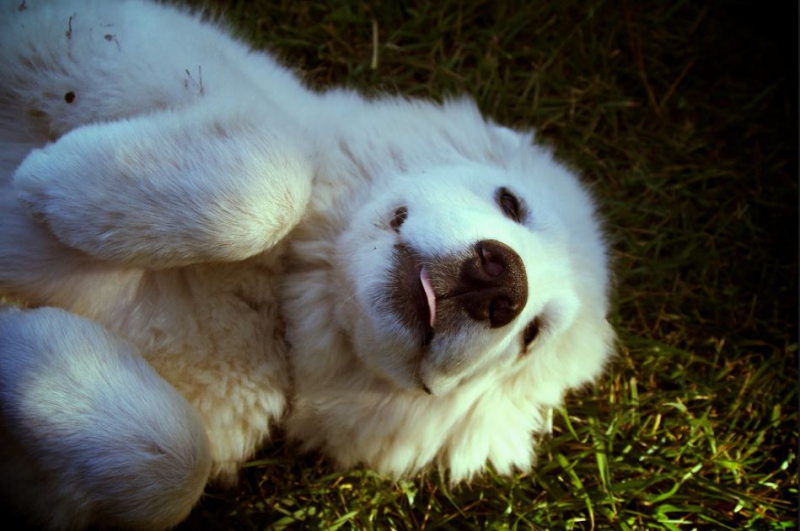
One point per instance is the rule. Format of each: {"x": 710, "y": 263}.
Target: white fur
{"x": 187, "y": 202}
{"x": 113, "y": 442}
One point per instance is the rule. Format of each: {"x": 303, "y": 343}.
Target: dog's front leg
{"x": 201, "y": 184}
{"x": 89, "y": 432}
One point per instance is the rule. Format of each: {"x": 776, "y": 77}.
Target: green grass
{"x": 683, "y": 117}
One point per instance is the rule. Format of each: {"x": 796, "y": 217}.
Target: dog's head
{"x": 469, "y": 268}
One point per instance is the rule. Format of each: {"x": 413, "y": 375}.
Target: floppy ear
{"x": 506, "y": 140}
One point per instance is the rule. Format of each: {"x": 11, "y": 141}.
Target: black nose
{"x": 493, "y": 286}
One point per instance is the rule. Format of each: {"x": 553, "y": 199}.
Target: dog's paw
{"x": 36, "y": 184}
{"x": 81, "y": 410}
{"x": 55, "y": 186}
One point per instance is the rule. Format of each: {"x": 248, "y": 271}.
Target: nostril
{"x": 492, "y": 284}
{"x": 399, "y": 218}
{"x": 491, "y": 262}
{"x": 501, "y": 311}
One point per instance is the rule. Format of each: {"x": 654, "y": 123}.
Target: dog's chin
{"x": 389, "y": 349}
{"x": 410, "y": 357}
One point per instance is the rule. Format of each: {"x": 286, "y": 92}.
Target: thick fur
{"x": 194, "y": 247}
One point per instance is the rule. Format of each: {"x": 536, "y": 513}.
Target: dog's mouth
{"x": 430, "y": 296}
{"x": 412, "y": 294}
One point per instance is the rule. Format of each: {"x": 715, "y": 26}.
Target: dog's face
{"x": 461, "y": 269}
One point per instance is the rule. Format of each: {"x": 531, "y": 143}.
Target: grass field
{"x": 683, "y": 116}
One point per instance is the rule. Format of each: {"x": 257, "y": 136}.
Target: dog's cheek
{"x": 383, "y": 344}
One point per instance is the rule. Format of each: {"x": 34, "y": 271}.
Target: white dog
{"x": 194, "y": 247}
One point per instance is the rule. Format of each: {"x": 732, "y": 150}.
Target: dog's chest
{"x": 219, "y": 341}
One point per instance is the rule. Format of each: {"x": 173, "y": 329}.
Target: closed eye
{"x": 511, "y": 205}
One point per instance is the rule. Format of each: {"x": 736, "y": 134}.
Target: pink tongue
{"x": 426, "y": 285}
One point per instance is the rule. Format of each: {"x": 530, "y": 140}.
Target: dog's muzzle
{"x": 487, "y": 284}
{"x": 492, "y": 285}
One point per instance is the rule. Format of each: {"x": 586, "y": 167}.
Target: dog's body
{"x": 401, "y": 283}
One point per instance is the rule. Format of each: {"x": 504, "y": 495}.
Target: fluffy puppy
{"x": 194, "y": 247}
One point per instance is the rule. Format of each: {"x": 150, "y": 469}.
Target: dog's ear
{"x": 506, "y": 140}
